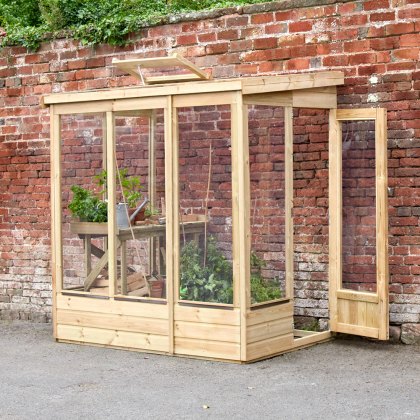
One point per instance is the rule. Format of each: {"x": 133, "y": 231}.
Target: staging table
{"x": 89, "y": 230}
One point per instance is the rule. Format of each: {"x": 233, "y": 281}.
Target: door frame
{"x": 369, "y": 311}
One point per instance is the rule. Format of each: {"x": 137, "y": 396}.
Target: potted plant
{"x": 89, "y": 207}
{"x": 130, "y": 194}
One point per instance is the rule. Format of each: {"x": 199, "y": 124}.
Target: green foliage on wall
{"x": 28, "y": 22}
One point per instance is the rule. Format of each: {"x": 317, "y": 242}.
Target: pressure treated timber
{"x": 291, "y": 82}
{"x": 134, "y": 66}
{"x": 113, "y": 338}
{"x": 323, "y": 98}
{"x": 271, "y": 346}
{"x": 207, "y": 348}
{"x": 111, "y": 321}
{"x": 355, "y": 312}
{"x": 288, "y": 200}
{"x": 170, "y": 214}
{"x": 207, "y": 332}
{"x": 335, "y": 206}
{"x": 206, "y": 315}
{"x": 270, "y": 329}
{"x": 204, "y": 331}
{"x": 382, "y": 266}
{"x": 354, "y": 295}
{"x": 239, "y": 332}
{"x": 249, "y": 85}
{"x": 313, "y": 338}
{"x": 118, "y": 307}
{"x": 271, "y": 313}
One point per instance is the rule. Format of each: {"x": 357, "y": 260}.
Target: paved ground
{"x": 41, "y": 379}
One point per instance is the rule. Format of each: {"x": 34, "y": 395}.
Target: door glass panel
{"x": 267, "y": 178}
{"x": 359, "y": 208}
{"x": 205, "y": 204}
{"x": 310, "y": 218}
{"x": 140, "y": 188}
{"x": 83, "y": 205}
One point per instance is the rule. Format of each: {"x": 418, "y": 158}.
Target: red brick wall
{"x": 375, "y": 42}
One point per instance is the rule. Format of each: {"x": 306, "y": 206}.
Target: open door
{"x": 358, "y": 228}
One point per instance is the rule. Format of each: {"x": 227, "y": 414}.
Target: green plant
{"x": 262, "y": 290}
{"x": 87, "y": 206}
{"x": 209, "y": 283}
{"x": 150, "y": 211}
{"x": 131, "y": 185}
{"x": 28, "y": 22}
{"x": 212, "y": 282}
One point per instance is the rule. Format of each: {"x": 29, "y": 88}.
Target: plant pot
{"x": 156, "y": 286}
{"x": 140, "y": 216}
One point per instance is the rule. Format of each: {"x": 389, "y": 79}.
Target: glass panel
{"x": 205, "y": 200}
{"x": 359, "y": 209}
{"x": 310, "y": 218}
{"x": 84, "y": 242}
{"x": 267, "y": 176}
{"x": 141, "y": 188}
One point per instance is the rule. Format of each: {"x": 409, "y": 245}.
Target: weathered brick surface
{"x": 374, "y": 42}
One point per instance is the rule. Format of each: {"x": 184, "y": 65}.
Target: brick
{"x": 277, "y": 28}
{"x": 363, "y": 58}
{"x": 336, "y": 61}
{"x": 382, "y": 17}
{"x": 228, "y": 35}
{"x": 264, "y": 43}
{"x": 356, "y": 46}
{"x": 409, "y": 13}
{"x": 376, "y": 4}
{"x": 186, "y": 39}
{"x": 297, "y": 64}
{"x": 302, "y": 26}
{"x": 399, "y": 28}
{"x": 406, "y": 54}
{"x": 412, "y": 40}
{"x": 219, "y": 48}
{"x": 262, "y": 18}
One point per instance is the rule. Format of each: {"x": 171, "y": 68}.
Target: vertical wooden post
{"x": 241, "y": 197}
{"x": 335, "y": 209}
{"x": 288, "y": 198}
{"x": 111, "y": 164}
{"x": 152, "y": 184}
{"x": 56, "y": 213}
{"x": 382, "y": 274}
{"x": 172, "y": 228}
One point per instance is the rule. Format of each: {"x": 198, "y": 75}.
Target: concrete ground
{"x": 343, "y": 379}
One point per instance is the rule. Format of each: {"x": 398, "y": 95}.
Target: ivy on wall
{"x": 28, "y": 22}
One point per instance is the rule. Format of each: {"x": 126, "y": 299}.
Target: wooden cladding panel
{"x": 207, "y": 332}
{"x": 264, "y": 348}
{"x": 115, "y": 338}
{"x": 202, "y": 331}
{"x": 113, "y": 321}
{"x": 270, "y": 313}
{"x": 270, "y": 329}
{"x": 207, "y": 348}
{"x": 355, "y": 314}
{"x": 105, "y": 306}
{"x": 207, "y": 315}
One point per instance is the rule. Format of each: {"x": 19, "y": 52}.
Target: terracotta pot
{"x": 156, "y": 287}
{"x": 140, "y": 216}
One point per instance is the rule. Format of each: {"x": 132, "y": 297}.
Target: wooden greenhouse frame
{"x": 239, "y": 332}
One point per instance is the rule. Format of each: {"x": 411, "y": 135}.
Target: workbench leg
{"x": 88, "y": 254}
{"x": 123, "y": 267}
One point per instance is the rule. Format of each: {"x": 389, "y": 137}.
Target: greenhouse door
{"x": 358, "y": 231}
